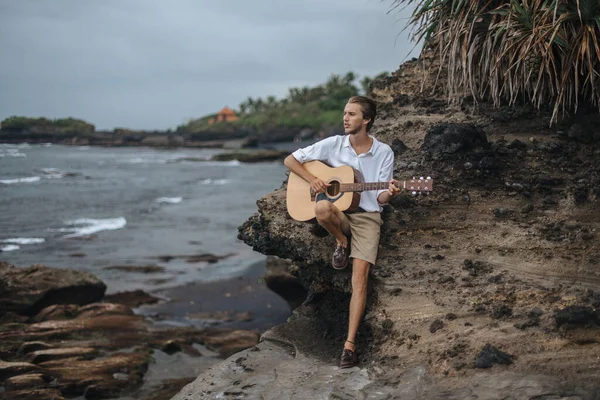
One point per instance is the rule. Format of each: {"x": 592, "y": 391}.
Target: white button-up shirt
{"x": 376, "y": 165}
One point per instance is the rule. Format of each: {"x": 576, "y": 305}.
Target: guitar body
{"x": 300, "y": 201}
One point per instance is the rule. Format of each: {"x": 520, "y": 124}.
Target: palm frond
{"x": 505, "y": 51}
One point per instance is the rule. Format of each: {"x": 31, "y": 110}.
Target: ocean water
{"x": 90, "y": 208}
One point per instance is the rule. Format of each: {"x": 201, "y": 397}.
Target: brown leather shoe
{"x": 349, "y": 359}
{"x": 339, "y": 259}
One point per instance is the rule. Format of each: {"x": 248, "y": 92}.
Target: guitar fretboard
{"x": 420, "y": 185}
{"x": 362, "y": 186}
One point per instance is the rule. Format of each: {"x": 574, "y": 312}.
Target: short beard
{"x": 353, "y": 132}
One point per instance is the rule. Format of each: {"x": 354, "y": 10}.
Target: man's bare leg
{"x": 358, "y": 301}
{"x": 333, "y": 220}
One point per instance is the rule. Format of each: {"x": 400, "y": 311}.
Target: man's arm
{"x": 386, "y": 175}
{"x": 386, "y": 196}
{"x": 316, "y": 184}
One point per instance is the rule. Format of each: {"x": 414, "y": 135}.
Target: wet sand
{"x": 244, "y": 302}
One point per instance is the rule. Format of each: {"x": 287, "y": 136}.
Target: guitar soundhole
{"x": 334, "y": 189}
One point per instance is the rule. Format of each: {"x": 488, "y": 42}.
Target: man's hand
{"x": 318, "y": 186}
{"x": 393, "y": 189}
{"x": 385, "y": 197}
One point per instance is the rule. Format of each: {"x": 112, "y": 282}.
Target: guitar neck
{"x": 420, "y": 185}
{"x": 363, "y": 186}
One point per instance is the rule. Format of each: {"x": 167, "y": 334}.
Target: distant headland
{"x": 305, "y": 113}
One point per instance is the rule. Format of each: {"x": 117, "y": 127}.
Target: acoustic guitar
{"x": 344, "y": 190}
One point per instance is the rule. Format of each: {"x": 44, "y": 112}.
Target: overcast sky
{"x": 154, "y": 64}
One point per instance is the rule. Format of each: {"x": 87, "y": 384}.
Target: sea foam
{"x": 52, "y": 173}
{"x": 218, "y": 182}
{"x": 208, "y": 163}
{"x": 11, "y": 152}
{"x": 10, "y": 247}
{"x": 88, "y": 226}
{"x": 170, "y": 200}
{"x": 30, "y": 179}
{"x": 23, "y": 241}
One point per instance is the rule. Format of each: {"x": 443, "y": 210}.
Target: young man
{"x": 375, "y": 160}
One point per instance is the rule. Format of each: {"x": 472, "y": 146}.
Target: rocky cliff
{"x": 488, "y": 288}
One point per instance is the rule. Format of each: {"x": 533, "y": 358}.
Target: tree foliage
{"x": 536, "y": 51}
{"x": 317, "y": 107}
{"x": 64, "y": 126}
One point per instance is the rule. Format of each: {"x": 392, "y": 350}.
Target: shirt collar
{"x": 346, "y": 143}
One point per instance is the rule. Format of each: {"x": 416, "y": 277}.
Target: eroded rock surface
{"x": 502, "y": 253}
{"x": 95, "y": 350}
{"x": 28, "y": 290}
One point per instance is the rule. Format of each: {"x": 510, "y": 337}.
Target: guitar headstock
{"x": 420, "y": 185}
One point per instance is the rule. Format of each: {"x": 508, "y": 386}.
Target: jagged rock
{"x": 436, "y": 325}
{"x": 501, "y": 310}
{"x": 444, "y": 141}
{"x": 279, "y": 279}
{"x": 272, "y": 232}
{"x": 28, "y": 347}
{"x": 132, "y": 298}
{"x": 476, "y": 268}
{"x": 145, "y": 269}
{"x": 8, "y": 369}
{"x": 77, "y": 375}
{"x": 29, "y": 290}
{"x": 488, "y": 163}
{"x": 251, "y": 156}
{"x": 40, "y": 356}
{"x": 57, "y": 312}
{"x": 581, "y": 133}
{"x": 517, "y": 144}
{"x": 171, "y": 346}
{"x": 576, "y": 315}
{"x": 490, "y": 355}
{"x": 34, "y": 394}
{"x": 531, "y": 322}
{"x": 27, "y": 381}
{"x": 387, "y": 324}
{"x": 398, "y": 147}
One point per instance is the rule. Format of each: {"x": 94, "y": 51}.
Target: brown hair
{"x": 368, "y": 107}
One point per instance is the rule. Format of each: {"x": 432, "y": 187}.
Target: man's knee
{"x": 323, "y": 210}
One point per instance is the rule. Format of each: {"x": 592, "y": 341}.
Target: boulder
{"x": 29, "y": 290}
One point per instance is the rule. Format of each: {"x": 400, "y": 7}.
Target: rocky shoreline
{"x": 61, "y": 337}
{"x": 239, "y": 138}
{"x": 488, "y": 289}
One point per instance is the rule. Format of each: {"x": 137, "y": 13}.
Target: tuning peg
{"x": 428, "y": 178}
{"x": 414, "y": 193}
{"x": 421, "y": 178}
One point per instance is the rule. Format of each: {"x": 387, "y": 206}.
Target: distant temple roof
{"x": 226, "y": 111}
{"x": 226, "y": 114}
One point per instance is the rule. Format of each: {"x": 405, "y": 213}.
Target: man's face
{"x": 353, "y": 119}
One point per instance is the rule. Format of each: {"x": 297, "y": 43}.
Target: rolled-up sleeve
{"x": 318, "y": 151}
{"x": 386, "y": 173}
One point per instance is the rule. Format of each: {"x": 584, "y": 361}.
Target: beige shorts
{"x": 365, "y": 229}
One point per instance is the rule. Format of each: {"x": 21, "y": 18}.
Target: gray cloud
{"x": 151, "y": 64}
